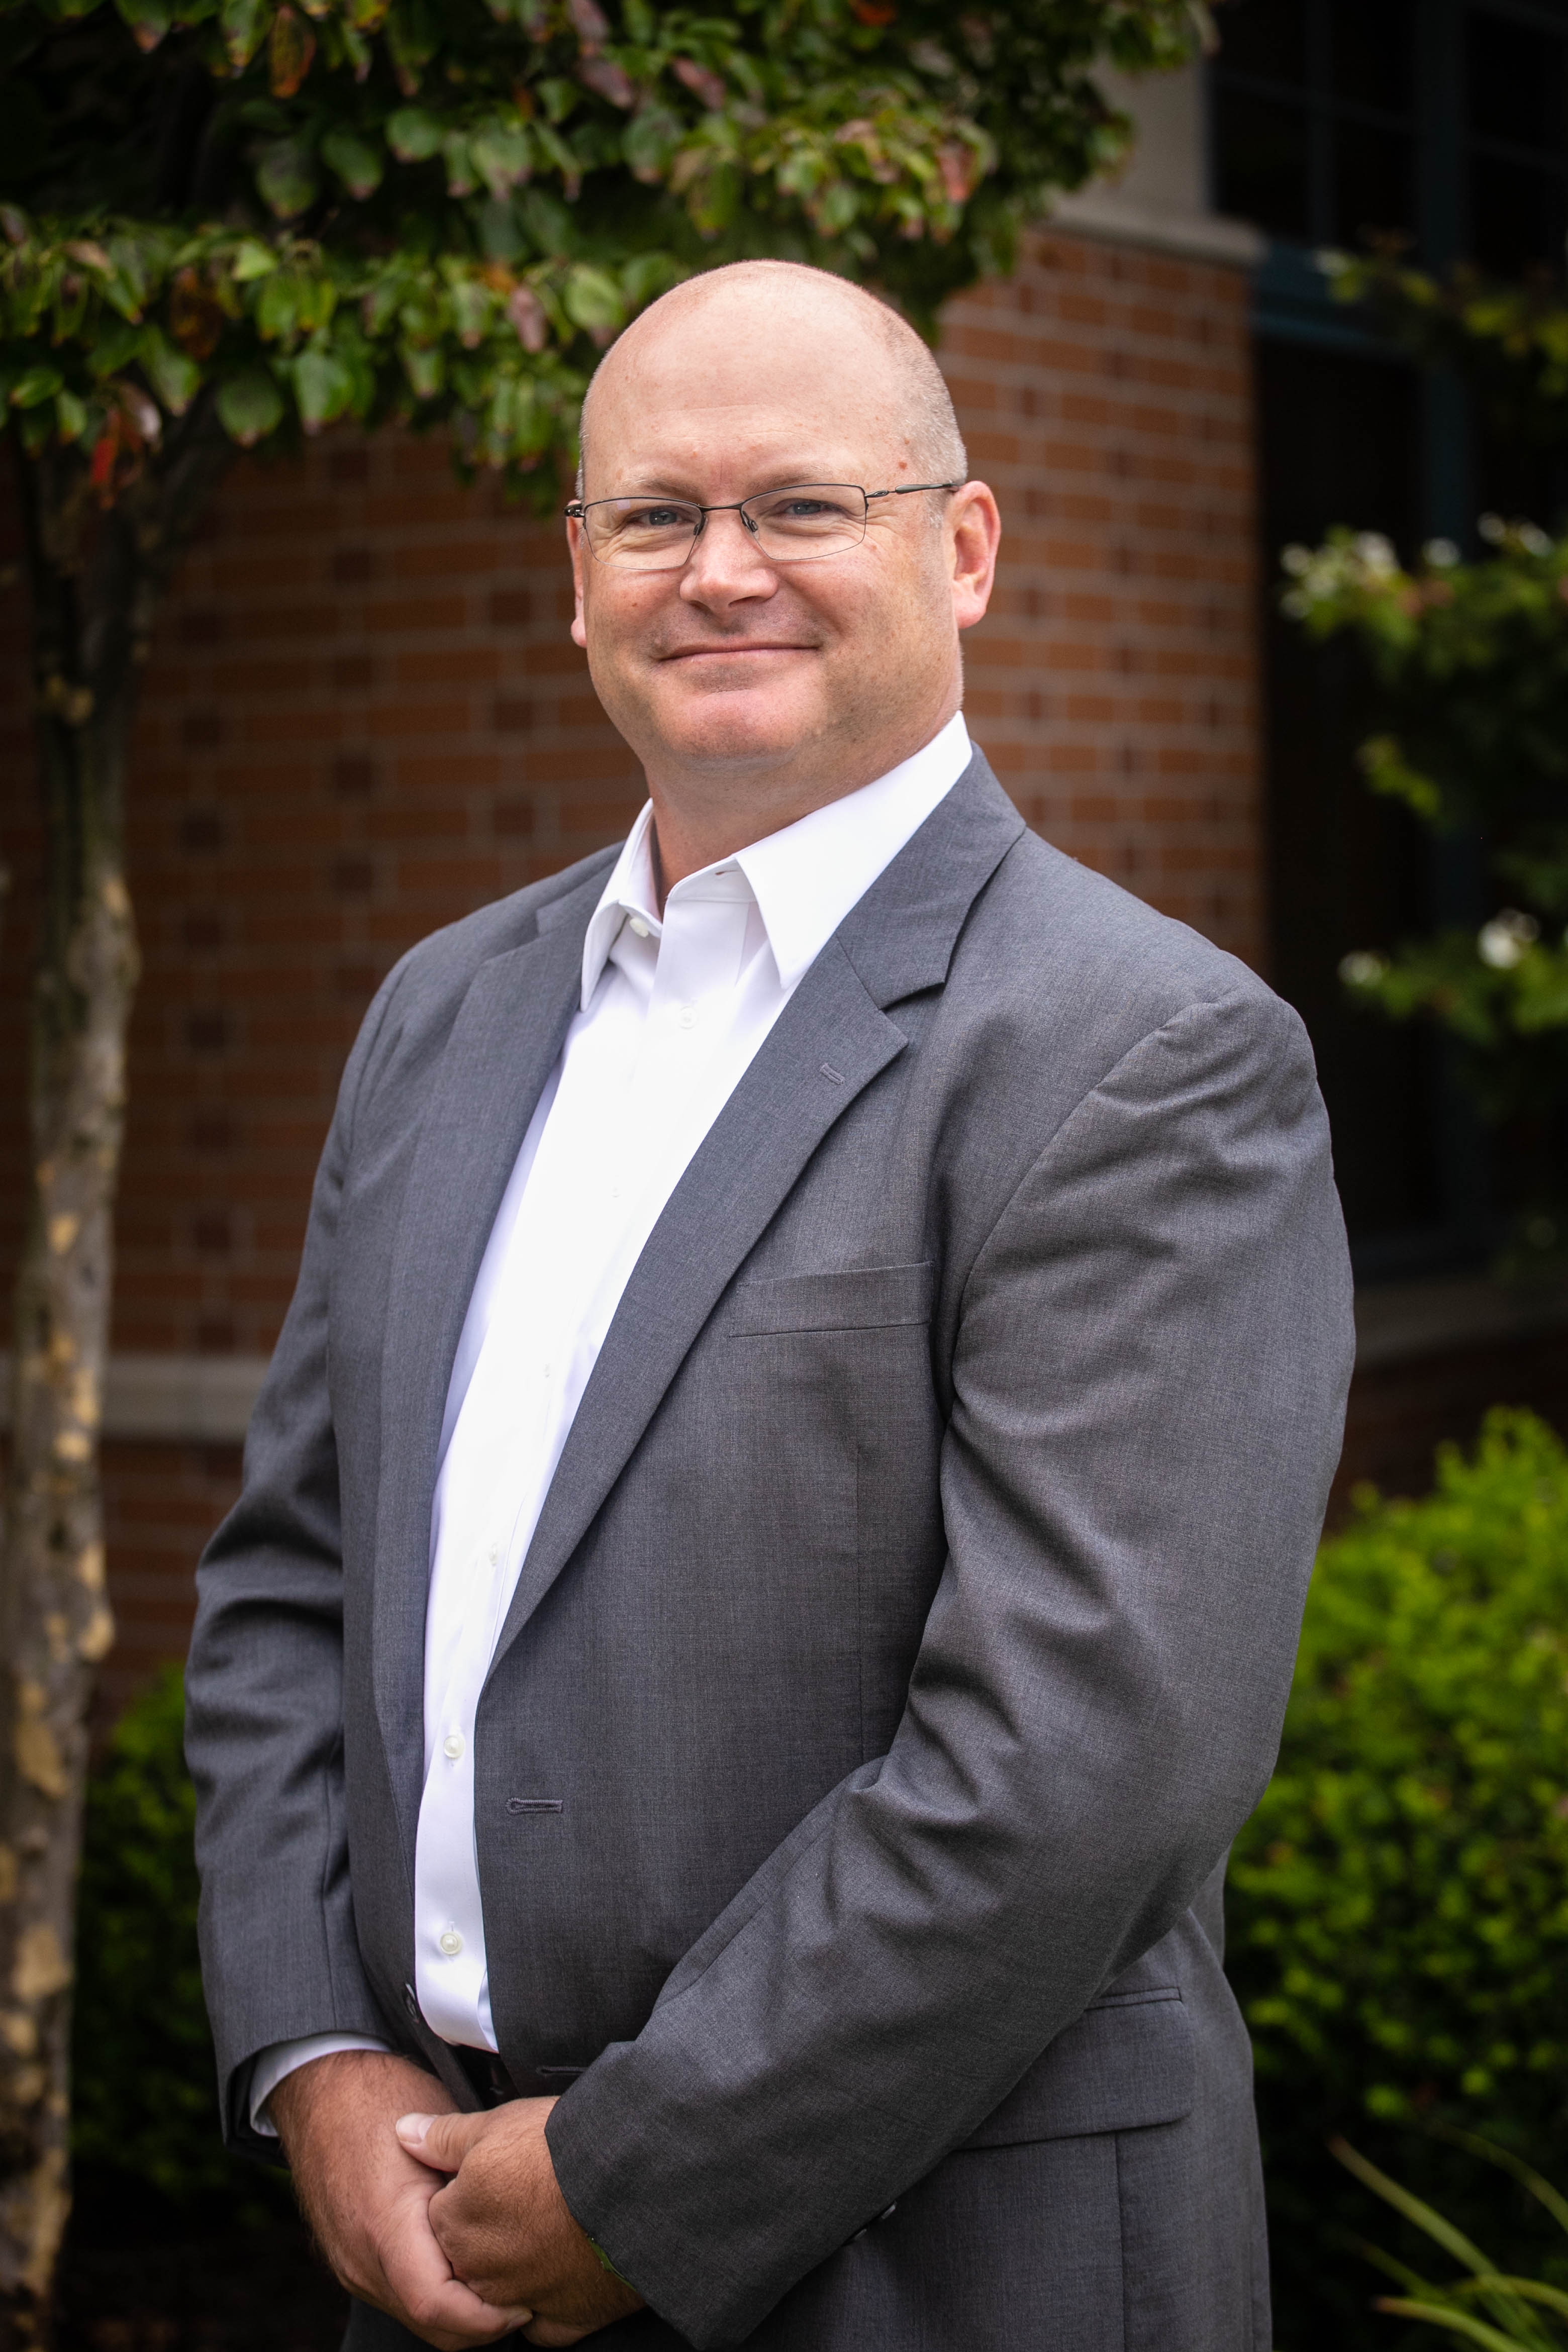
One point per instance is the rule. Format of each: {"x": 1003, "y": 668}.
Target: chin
{"x": 740, "y": 729}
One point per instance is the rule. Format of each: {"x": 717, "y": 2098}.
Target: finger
{"x": 440, "y": 2141}
{"x": 435, "y": 2303}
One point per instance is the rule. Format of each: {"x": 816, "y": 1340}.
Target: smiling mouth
{"x": 729, "y": 652}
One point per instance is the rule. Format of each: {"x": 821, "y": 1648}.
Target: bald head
{"x": 762, "y": 666}
{"x": 781, "y": 312}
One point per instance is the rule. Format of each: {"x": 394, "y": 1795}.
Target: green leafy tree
{"x": 225, "y": 224}
{"x": 1468, "y": 664}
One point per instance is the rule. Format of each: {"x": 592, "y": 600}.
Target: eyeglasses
{"x": 799, "y": 524}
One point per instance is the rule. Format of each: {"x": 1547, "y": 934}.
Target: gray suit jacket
{"x": 905, "y": 1636}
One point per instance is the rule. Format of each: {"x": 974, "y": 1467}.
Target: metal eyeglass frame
{"x": 578, "y": 513}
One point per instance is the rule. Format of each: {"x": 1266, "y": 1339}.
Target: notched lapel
{"x": 502, "y": 1047}
{"x": 829, "y": 1043}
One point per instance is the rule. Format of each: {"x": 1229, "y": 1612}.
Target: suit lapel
{"x": 830, "y": 1042}
{"x": 502, "y": 1047}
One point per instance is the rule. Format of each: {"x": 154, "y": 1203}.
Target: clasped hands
{"x": 452, "y": 2223}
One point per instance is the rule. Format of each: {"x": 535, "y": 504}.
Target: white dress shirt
{"x": 672, "y": 1011}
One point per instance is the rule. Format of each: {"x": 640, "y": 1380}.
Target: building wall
{"x": 365, "y": 717}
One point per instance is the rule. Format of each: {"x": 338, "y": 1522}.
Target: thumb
{"x": 440, "y": 2141}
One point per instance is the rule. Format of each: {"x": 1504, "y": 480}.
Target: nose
{"x": 726, "y": 565}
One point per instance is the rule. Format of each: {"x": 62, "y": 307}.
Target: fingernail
{"x": 413, "y": 2128}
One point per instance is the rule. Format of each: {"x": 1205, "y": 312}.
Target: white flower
{"x": 1493, "y": 528}
{"x": 1361, "y": 969}
{"x": 1376, "y": 556}
{"x": 1532, "y": 538}
{"x": 1296, "y": 561}
{"x": 1503, "y": 941}
{"x": 1440, "y": 554}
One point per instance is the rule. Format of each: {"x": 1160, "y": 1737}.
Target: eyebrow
{"x": 782, "y": 479}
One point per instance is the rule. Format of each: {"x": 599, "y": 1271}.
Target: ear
{"x": 975, "y": 533}
{"x": 576, "y": 540}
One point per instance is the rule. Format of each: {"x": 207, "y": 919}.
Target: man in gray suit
{"x": 772, "y": 1546}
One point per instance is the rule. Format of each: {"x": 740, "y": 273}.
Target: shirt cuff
{"x": 280, "y": 2058}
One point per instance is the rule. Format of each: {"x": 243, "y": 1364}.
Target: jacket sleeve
{"x": 264, "y": 1713}
{"x": 1149, "y": 1372}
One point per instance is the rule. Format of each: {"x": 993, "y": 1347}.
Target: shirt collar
{"x": 805, "y": 879}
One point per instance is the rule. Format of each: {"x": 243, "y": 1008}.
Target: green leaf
{"x": 593, "y": 299}
{"x": 249, "y": 407}
{"x": 149, "y": 20}
{"x": 243, "y": 24}
{"x": 1457, "y": 2323}
{"x": 252, "y": 259}
{"x": 278, "y": 307}
{"x": 473, "y": 307}
{"x": 288, "y": 177}
{"x": 39, "y": 385}
{"x": 502, "y": 156}
{"x": 650, "y": 142}
{"x": 460, "y": 167}
{"x": 70, "y": 416}
{"x": 357, "y": 162}
{"x": 173, "y": 374}
{"x": 323, "y": 387}
{"x": 425, "y": 366}
{"x": 413, "y": 136}
{"x": 113, "y": 347}
{"x": 558, "y": 97}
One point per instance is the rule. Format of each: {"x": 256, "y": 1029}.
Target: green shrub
{"x": 1398, "y": 1913}
{"x": 144, "y": 2089}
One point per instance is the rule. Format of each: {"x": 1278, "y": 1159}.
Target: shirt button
{"x": 452, "y": 1744}
{"x": 689, "y": 1016}
{"x": 640, "y": 928}
{"x": 495, "y": 1553}
{"x": 451, "y": 1941}
{"x": 545, "y": 1370}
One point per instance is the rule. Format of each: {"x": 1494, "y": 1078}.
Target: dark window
{"x": 1263, "y": 152}
{"x": 1516, "y": 93}
{"x": 1371, "y": 55}
{"x": 1341, "y": 440}
{"x": 1513, "y": 81}
{"x": 1313, "y": 118}
{"x": 1334, "y": 121}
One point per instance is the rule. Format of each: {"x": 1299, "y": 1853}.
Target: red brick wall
{"x": 365, "y": 717}
{"x": 1107, "y": 395}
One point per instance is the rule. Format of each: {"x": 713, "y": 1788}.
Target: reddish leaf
{"x": 957, "y": 166}
{"x": 527, "y": 314}
{"x": 589, "y": 22}
{"x": 604, "y": 76}
{"x": 289, "y": 52}
{"x": 105, "y": 450}
{"x": 701, "y": 81}
{"x": 195, "y": 316}
{"x": 872, "y": 12}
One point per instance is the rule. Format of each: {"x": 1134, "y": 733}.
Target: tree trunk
{"x": 96, "y": 574}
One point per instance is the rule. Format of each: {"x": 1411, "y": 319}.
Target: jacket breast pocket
{"x": 863, "y": 1299}
{"x": 1124, "y": 2064}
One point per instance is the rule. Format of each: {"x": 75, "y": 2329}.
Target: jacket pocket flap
{"x": 866, "y": 1298}
{"x": 1116, "y": 2068}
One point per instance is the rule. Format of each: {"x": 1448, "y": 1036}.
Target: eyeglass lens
{"x": 790, "y": 526}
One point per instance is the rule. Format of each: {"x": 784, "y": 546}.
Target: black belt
{"x": 493, "y": 2086}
